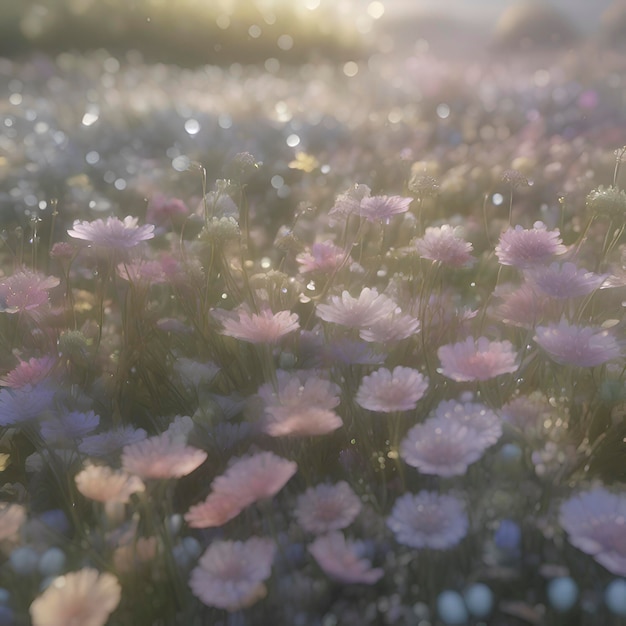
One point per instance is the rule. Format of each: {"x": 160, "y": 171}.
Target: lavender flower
{"x": 478, "y": 359}
{"x": 525, "y": 249}
{"x": 386, "y": 391}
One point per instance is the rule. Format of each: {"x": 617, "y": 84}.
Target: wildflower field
{"x": 329, "y": 344}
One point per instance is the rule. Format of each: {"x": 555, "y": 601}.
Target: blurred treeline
{"x": 186, "y": 32}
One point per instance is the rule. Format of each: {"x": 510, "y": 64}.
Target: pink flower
{"x": 325, "y": 507}
{"x": 340, "y": 560}
{"x": 301, "y": 405}
{"x": 387, "y": 391}
{"x": 161, "y": 209}
{"x": 381, "y": 208}
{"x": 230, "y": 574}
{"x": 428, "y": 520}
{"x": 596, "y": 524}
{"x": 478, "y": 359}
{"x": 161, "y": 457}
{"x": 565, "y": 280}
{"x": 264, "y": 327}
{"x": 442, "y": 447}
{"x": 26, "y": 291}
{"x": 323, "y": 257}
{"x": 521, "y": 305}
{"x": 12, "y": 516}
{"x": 581, "y": 346}
{"x": 105, "y": 484}
{"x": 113, "y": 234}
{"x": 528, "y": 248}
{"x": 445, "y": 245}
{"x": 28, "y": 372}
{"x": 217, "y": 509}
{"x": 394, "y": 327}
{"x": 84, "y": 598}
{"x": 360, "y": 312}
{"x": 140, "y": 271}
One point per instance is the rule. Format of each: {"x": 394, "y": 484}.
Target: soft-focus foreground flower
{"x": 581, "y": 346}
{"x": 565, "y": 280}
{"x": 428, "y": 520}
{"x": 25, "y": 291}
{"x": 324, "y": 508}
{"x": 264, "y": 327}
{"x": 161, "y": 457}
{"x": 301, "y": 406}
{"x": 246, "y": 480}
{"x": 478, "y": 359}
{"x": 83, "y": 598}
{"x": 387, "y": 391}
{"x": 526, "y": 248}
{"x": 445, "y": 245}
{"x": 595, "y": 522}
{"x": 340, "y": 560}
{"x": 69, "y": 426}
{"x": 230, "y": 574}
{"x": 113, "y": 233}
{"x": 18, "y": 406}
{"x": 382, "y": 208}
{"x": 359, "y": 312}
{"x": 104, "y": 484}
{"x": 12, "y": 516}
{"x": 111, "y": 441}
{"x": 29, "y": 372}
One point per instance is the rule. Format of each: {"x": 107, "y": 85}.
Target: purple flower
{"x": 445, "y": 245}
{"x": 393, "y": 327}
{"x": 387, "y": 391}
{"x": 524, "y": 249}
{"x": 109, "y": 442}
{"x": 596, "y": 524}
{"x": 581, "y": 346}
{"x": 113, "y": 234}
{"x": 360, "y": 312}
{"x": 381, "y": 208}
{"x": 565, "y": 280}
{"x": 478, "y": 359}
{"x": 325, "y": 507}
{"x": 18, "y": 406}
{"x": 474, "y": 415}
{"x": 69, "y": 426}
{"x": 428, "y": 520}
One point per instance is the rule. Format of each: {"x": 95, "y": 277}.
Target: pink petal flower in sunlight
{"x": 359, "y": 312}
{"x": 340, "y": 560}
{"x": 230, "y": 574}
{"x": 113, "y": 233}
{"x": 445, "y": 245}
{"x": 217, "y": 509}
{"x": 85, "y": 597}
{"x": 382, "y": 208}
{"x": 25, "y": 291}
{"x": 104, "y": 484}
{"x": 524, "y": 249}
{"x": 580, "y": 346}
{"x": 388, "y": 391}
{"x": 428, "y": 520}
{"x": 326, "y": 507}
{"x": 264, "y": 327}
{"x": 323, "y": 257}
{"x": 478, "y": 359}
{"x": 161, "y": 457}
{"x": 595, "y": 523}
{"x": 28, "y": 372}
{"x": 394, "y": 327}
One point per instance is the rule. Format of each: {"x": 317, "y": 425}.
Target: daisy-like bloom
{"x": 394, "y": 327}
{"x": 527, "y": 248}
{"x": 478, "y": 359}
{"x": 29, "y": 372}
{"x": 340, "y": 560}
{"x": 480, "y": 419}
{"x": 565, "y": 280}
{"x": 382, "y": 208}
{"x": 12, "y": 516}
{"x": 359, "y": 312}
{"x": 83, "y": 598}
{"x": 26, "y": 291}
{"x": 230, "y": 574}
{"x": 104, "y": 484}
{"x": 18, "y": 406}
{"x": 388, "y": 391}
{"x": 325, "y": 507}
{"x": 113, "y": 233}
{"x": 264, "y": 327}
{"x": 110, "y": 442}
{"x": 301, "y": 406}
{"x": 521, "y": 305}
{"x": 445, "y": 245}
{"x": 323, "y": 257}
{"x": 69, "y": 426}
{"x": 161, "y": 457}
{"x": 216, "y": 510}
{"x": 596, "y": 524}
{"x": 442, "y": 447}
{"x": 428, "y": 520}
{"x": 581, "y": 346}
{"x": 349, "y": 202}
